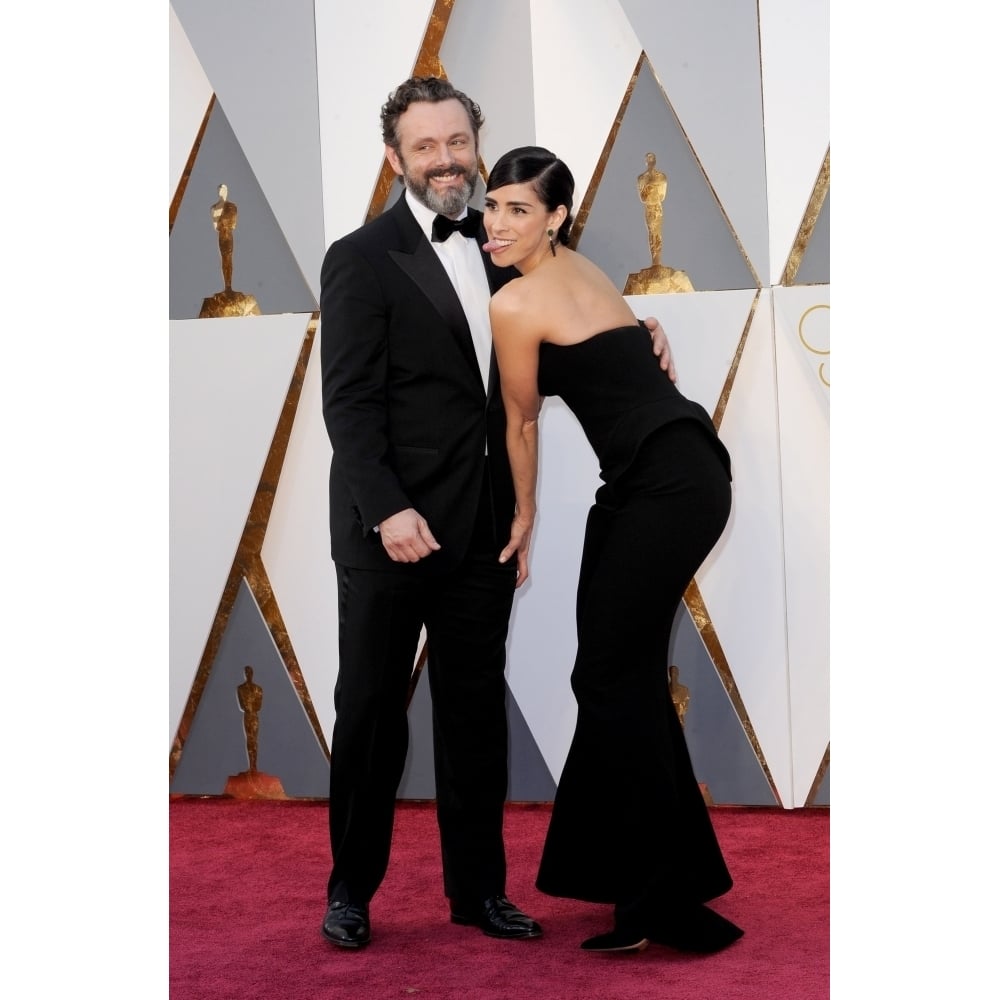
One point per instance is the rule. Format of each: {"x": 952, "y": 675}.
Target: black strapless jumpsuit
{"x": 629, "y": 819}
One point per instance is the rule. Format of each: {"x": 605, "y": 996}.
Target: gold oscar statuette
{"x": 679, "y": 693}
{"x": 658, "y": 278}
{"x": 227, "y": 302}
{"x": 252, "y": 784}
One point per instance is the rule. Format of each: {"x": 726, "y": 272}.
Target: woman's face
{"x": 517, "y": 224}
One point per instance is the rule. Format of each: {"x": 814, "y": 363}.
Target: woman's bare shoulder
{"x": 510, "y": 308}
{"x": 509, "y": 298}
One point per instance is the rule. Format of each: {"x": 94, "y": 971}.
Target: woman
{"x": 629, "y": 824}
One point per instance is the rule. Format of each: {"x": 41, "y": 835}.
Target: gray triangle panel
{"x": 529, "y": 777}
{"x": 822, "y": 797}
{"x": 697, "y": 239}
{"x": 260, "y": 60}
{"x": 263, "y": 263}
{"x": 216, "y": 747}
{"x": 814, "y": 268}
{"x": 721, "y": 754}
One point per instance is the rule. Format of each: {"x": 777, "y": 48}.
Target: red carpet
{"x": 247, "y": 882}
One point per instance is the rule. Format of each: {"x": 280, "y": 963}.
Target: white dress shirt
{"x": 463, "y": 261}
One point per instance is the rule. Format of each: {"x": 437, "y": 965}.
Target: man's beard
{"x": 449, "y": 202}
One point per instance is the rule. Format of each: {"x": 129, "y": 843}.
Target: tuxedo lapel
{"x": 417, "y": 259}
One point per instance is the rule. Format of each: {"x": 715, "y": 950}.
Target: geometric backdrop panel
{"x": 795, "y": 90}
{"x": 362, "y": 51}
{"x": 742, "y": 581}
{"x": 228, "y": 382}
{"x": 814, "y": 268}
{"x": 706, "y": 57}
{"x": 722, "y": 756}
{"x": 190, "y": 93}
{"x": 802, "y": 348}
{"x": 593, "y": 70}
{"x": 263, "y": 263}
{"x": 289, "y": 757}
{"x": 295, "y": 551}
{"x": 261, "y": 61}
{"x": 696, "y": 236}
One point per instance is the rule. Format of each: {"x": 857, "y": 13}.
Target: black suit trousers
{"x": 466, "y": 613}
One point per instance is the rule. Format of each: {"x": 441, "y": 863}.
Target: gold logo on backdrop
{"x": 227, "y": 302}
{"x": 652, "y": 188}
{"x": 816, "y": 330}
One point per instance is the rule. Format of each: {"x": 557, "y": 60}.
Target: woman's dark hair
{"x": 548, "y": 176}
{"x": 431, "y": 89}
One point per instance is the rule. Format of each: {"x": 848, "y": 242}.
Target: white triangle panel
{"x": 363, "y": 52}
{"x": 704, "y": 331}
{"x": 190, "y": 94}
{"x": 795, "y": 65}
{"x": 261, "y": 61}
{"x": 228, "y": 382}
{"x": 802, "y": 329}
{"x": 742, "y": 581}
{"x": 483, "y": 70}
{"x": 600, "y": 61}
{"x": 706, "y": 59}
{"x": 296, "y": 549}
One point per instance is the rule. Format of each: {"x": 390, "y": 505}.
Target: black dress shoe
{"x": 498, "y": 917}
{"x": 347, "y": 924}
{"x": 695, "y": 928}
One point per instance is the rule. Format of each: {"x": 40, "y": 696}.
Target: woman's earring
{"x": 552, "y": 242}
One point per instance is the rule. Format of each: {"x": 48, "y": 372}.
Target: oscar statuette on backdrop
{"x": 656, "y": 279}
{"x": 227, "y": 302}
{"x": 680, "y": 694}
{"x": 252, "y": 784}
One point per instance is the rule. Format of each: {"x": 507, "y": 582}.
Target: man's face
{"x": 438, "y": 155}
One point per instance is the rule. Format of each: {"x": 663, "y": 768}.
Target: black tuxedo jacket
{"x": 403, "y": 400}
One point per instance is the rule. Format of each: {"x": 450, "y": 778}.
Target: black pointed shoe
{"x": 697, "y": 929}
{"x": 498, "y": 917}
{"x": 347, "y": 924}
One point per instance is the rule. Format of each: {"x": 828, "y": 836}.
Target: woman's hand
{"x": 520, "y": 542}
{"x": 661, "y": 347}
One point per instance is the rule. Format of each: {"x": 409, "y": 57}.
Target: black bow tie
{"x": 443, "y": 227}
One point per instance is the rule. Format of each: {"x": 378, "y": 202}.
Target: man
{"x": 421, "y": 502}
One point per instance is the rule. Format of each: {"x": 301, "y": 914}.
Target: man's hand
{"x": 407, "y": 537}
{"x": 661, "y": 347}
